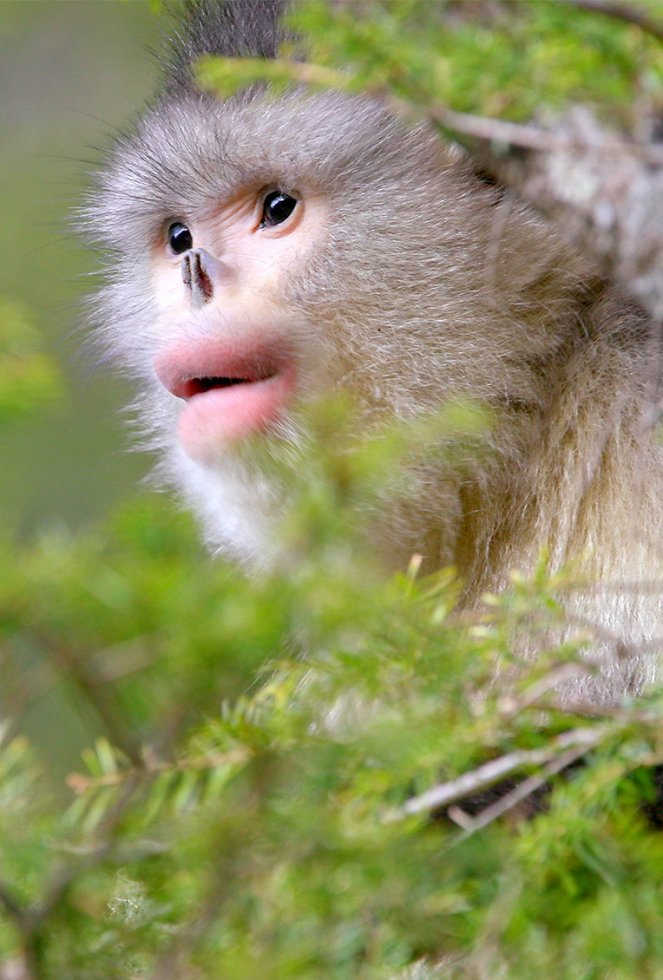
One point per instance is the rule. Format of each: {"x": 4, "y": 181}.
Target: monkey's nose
{"x": 199, "y": 269}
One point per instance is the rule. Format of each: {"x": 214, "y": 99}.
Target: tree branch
{"x": 581, "y": 740}
{"x": 529, "y": 137}
{"x": 626, "y": 12}
{"x": 510, "y": 800}
{"x": 604, "y": 195}
{"x": 99, "y": 694}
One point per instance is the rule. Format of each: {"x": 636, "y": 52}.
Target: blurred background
{"x": 71, "y": 73}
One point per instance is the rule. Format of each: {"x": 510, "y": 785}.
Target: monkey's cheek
{"x": 213, "y": 421}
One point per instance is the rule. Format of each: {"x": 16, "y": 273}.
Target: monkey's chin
{"x": 214, "y": 420}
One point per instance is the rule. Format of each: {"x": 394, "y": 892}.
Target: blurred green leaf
{"x": 29, "y": 377}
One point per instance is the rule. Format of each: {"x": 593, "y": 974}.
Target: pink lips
{"x": 231, "y": 389}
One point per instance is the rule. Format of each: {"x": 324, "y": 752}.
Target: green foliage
{"x": 253, "y": 801}
{"x": 510, "y": 60}
{"x": 28, "y": 376}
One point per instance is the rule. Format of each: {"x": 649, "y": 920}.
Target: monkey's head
{"x": 267, "y": 250}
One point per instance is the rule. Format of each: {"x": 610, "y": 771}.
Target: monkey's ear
{"x": 230, "y": 28}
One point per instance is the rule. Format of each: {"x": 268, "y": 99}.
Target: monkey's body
{"x": 398, "y": 277}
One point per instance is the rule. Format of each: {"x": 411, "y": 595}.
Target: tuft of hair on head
{"x": 228, "y": 28}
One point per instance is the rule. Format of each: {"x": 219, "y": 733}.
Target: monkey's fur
{"x": 424, "y": 285}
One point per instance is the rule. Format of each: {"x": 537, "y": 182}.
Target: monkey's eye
{"x": 179, "y": 238}
{"x": 277, "y": 208}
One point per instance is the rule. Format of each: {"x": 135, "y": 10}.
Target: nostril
{"x": 185, "y": 265}
{"x": 202, "y": 278}
{"x": 198, "y": 268}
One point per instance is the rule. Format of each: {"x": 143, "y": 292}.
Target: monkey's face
{"x": 227, "y": 346}
{"x": 260, "y": 256}
{"x": 267, "y": 251}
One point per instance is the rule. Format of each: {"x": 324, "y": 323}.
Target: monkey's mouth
{"x": 229, "y": 392}
{"x": 197, "y": 386}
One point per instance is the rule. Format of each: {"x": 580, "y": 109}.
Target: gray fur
{"x": 425, "y": 286}
{"x": 234, "y": 29}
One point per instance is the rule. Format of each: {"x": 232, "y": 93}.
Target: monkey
{"x": 268, "y": 248}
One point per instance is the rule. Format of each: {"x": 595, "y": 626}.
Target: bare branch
{"x": 627, "y": 12}
{"x": 24, "y": 921}
{"x": 11, "y": 904}
{"x": 100, "y": 695}
{"x": 510, "y": 800}
{"x": 483, "y": 128}
{"x": 580, "y": 739}
{"x": 532, "y": 138}
{"x": 604, "y": 195}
